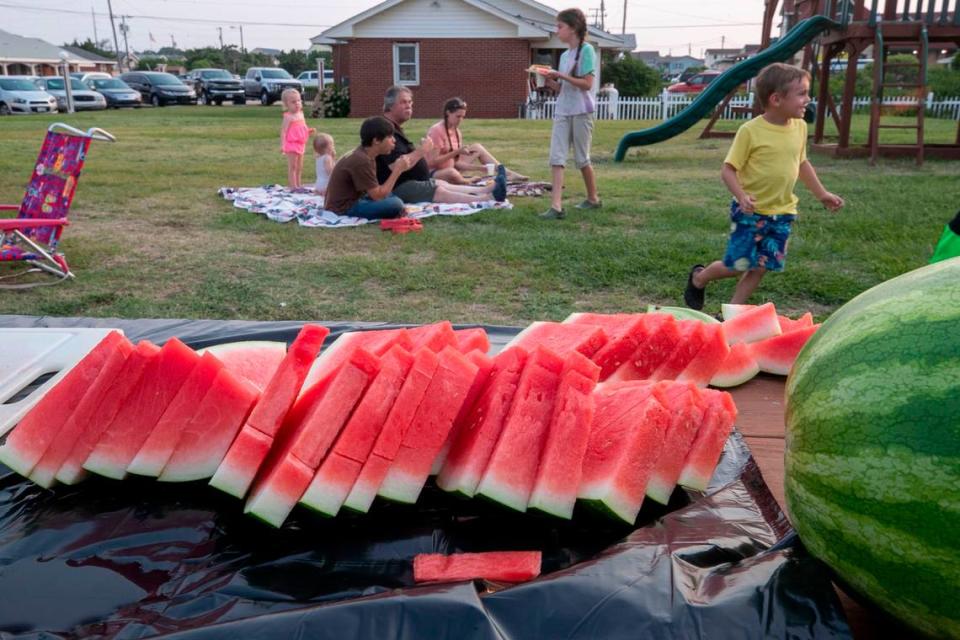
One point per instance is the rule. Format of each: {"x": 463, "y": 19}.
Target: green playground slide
{"x": 796, "y": 39}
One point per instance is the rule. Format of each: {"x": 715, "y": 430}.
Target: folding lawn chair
{"x": 32, "y": 237}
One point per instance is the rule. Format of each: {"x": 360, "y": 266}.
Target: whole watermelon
{"x": 873, "y": 446}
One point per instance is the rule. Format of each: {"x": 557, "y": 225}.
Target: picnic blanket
{"x": 281, "y": 204}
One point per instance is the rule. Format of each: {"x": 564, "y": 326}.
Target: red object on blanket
{"x": 503, "y": 566}
{"x": 401, "y": 225}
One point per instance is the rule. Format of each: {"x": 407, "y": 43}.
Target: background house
{"x": 476, "y": 49}
{"x": 36, "y": 57}
{"x": 667, "y": 65}
{"x": 713, "y": 56}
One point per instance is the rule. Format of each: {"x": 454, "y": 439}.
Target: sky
{"x": 677, "y": 27}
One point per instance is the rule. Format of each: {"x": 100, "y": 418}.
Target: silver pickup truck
{"x": 267, "y": 83}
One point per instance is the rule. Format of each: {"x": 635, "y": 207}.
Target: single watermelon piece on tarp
{"x": 26, "y": 444}
{"x": 339, "y": 471}
{"x": 659, "y": 340}
{"x": 125, "y": 435}
{"x": 253, "y": 360}
{"x": 692, "y": 338}
{"x": 561, "y": 463}
{"x": 484, "y": 369}
{"x": 777, "y": 354}
{"x": 718, "y": 421}
{"x": 560, "y": 338}
{"x": 625, "y": 332}
{"x": 512, "y": 469}
{"x": 435, "y": 337}
{"x": 160, "y": 444}
{"x": 730, "y": 311}
{"x": 478, "y": 435}
{"x": 239, "y": 467}
{"x": 404, "y": 408}
{"x": 787, "y": 325}
{"x": 685, "y": 403}
{"x": 710, "y": 357}
{"x": 626, "y": 440}
{"x": 474, "y": 338}
{"x": 429, "y": 428}
{"x": 752, "y": 325}
{"x": 500, "y": 566}
{"x": 738, "y": 367}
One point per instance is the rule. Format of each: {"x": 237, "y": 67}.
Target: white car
{"x": 90, "y": 76}
{"x": 309, "y": 78}
{"x": 19, "y": 94}
{"x": 83, "y": 98}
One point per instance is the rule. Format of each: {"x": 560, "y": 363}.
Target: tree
{"x": 89, "y": 45}
{"x": 956, "y": 62}
{"x": 294, "y": 61}
{"x": 631, "y": 76}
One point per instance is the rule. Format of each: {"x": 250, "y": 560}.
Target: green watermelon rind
{"x": 683, "y": 313}
{"x": 880, "y": 511}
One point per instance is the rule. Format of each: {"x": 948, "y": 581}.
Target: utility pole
{"x": 126, "y": 46}
{"x": 603, "y": 16}
{"x": 242, "y": 48}
{"x": 624, "y": 32}
{"x": 93, "y": 15}
{"x": 723, "y": 41}
{"x": 116, "y": 45}
{"x": 220, "y": 31}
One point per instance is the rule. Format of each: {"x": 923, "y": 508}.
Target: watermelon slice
{"x": 512, "y": 469}
{"x": 559, "y": 338}
{"x": 339, "y": 471}
{"x": 660, "y": 338}
{"x": 434, "y": 336}
{"x": 481, "y": 428}
{"x": 128, "y": 378}
{"x": 253, "y": 360}
{"x": 624, "y": 332}
{"x": 738, "y": 367}
{"x": 391, "y": 435}
{"x": 205, "y": 438}
{"x": 626, "y": 440}
{"x": 686, "y": 405}
{"x": 474, "y": 338}
{"x": 484, "y": 369}
{"x": 787, "y": 325}
{"x": 777, "y": 354}
{"x": 430, "y": 427}
{"x": 240, "y": 465}
{"x": 558, "y": 475}
{"x": 718, "y": 420}
{"x": 503, "y": 566}
{"x": 710, "y": 357}
{"x": 159, "y": 445}
{"x": 143, "y": 408}
{"x": 26, "y": 444}
{"x": 752, "y": 325}
{"x": 692, "y": 339}
{"x": 683, "y": 313}
{"x": 730, "y": 311}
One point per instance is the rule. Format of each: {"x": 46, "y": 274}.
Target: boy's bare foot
{"x": 693, "y": 295}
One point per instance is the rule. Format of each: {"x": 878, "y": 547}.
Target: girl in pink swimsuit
{"x": 294, "y": 134}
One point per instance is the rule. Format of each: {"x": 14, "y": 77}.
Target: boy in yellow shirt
{"x": 767, "y": 156}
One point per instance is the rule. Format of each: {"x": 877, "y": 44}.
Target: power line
{"x": 696, "y": 26}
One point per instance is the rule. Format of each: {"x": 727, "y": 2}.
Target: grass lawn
{"x": 151, "y": 238}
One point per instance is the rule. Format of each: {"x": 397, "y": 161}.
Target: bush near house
{"x": 631, "y": 77}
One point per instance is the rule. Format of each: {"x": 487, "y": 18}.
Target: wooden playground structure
{"x": 885, "y": 27}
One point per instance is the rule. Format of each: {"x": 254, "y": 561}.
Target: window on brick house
{"x": 406, "y": 63}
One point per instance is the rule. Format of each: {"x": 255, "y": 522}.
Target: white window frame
{"x": 396, "y": 63}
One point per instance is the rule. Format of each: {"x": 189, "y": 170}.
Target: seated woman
{"x": 449, "y": 158}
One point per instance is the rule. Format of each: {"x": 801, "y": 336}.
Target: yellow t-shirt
{"x": 767, "y": 158}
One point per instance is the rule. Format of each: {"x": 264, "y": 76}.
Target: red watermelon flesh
{"x": 660, "y": 338}
{"x": 512, "y": 469}
{"x": 503, "y": 566}
{"x": 480, "y": 430}
{"x": 404, "y": 408}
{"x": 561, "y": 464}
{"x": 718, "y": 420}
{"x": 334, "y": 477}
{"x": 484, "y": 368}
{"x": 692, "y": 338}
{"x": 685, "y": 403}
{"x": 625, "y": 332}
{"x": 559, "y": 338}
{"x": 626, "y": 440}
{"x": 777, "y": 354}
{"x": 430, "y": 427}
{"x": 738, "y": 367}
{"x": 205, "y": 439}
{"x": 239, "y": 467}
{"x": 787, "y": 325}
{"x": 159, "y": 445}
{"x": 254, "y": 360}
{"x": 26, "y": 444}
{"x": 129, "y": 377}
{"x": 709, "y": 358}
{"x": 246, "y": 454}
{"x": 474, "y": 338}
{"x": 752, "y": 325}
{"x": 434, "y": 336}
{"x": 143, "y": 408}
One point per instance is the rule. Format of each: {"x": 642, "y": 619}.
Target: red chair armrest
{"x": 29, "y": 223}
{"x": 9, "y": 207}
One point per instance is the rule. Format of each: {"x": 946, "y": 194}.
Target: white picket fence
{"x": 667, "y": 105}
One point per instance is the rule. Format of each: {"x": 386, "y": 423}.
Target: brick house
{"x": 476, "y": 49}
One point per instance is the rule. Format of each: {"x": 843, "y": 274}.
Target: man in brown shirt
{"x": 353, "y": 189}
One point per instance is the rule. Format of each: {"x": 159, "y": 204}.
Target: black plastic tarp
{"x": 137, "y": 558}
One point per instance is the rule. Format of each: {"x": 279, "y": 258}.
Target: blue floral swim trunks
{"x": 757, "y": 241}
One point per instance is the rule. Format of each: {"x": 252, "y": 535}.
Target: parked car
{"x": 695, "y": 84}
{"x": 84, "y": 99}
{"x": 309, "y": 78}
{"x": 20, "y": 94}
{"x": 267, "y": 83}
{"x": 160, "y": 89}
{"x": 117, "y": 92}
{"x": 88, "y": 77}
{"x": 213, "y": 86}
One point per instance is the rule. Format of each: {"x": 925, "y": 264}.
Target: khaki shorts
{"x": 414, "y": 191}
{"x": 571, "y": 129}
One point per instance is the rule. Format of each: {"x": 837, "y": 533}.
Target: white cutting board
{"x": 27, "y": 354}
